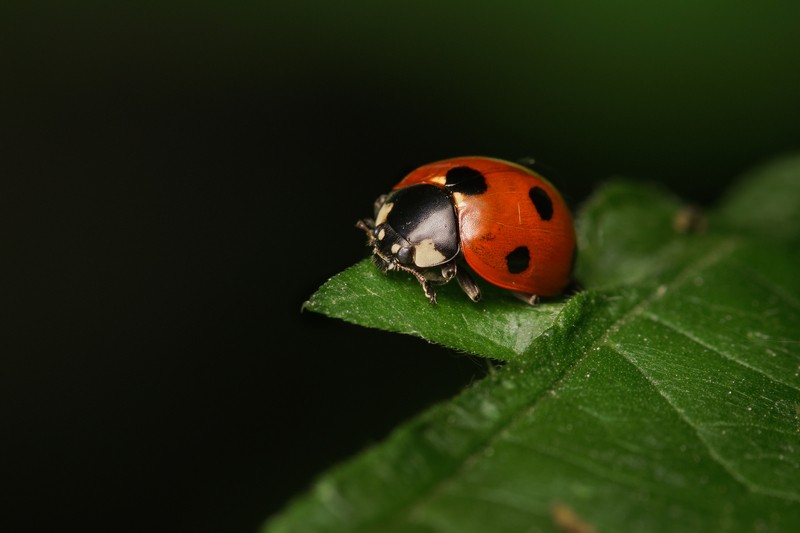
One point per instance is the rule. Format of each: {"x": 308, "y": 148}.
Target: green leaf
{"x": 498, "y": 326}
{"x": 765, "y": 204}
{"x": 664, "y": 397}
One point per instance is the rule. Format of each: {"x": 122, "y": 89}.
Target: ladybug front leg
{"x": 427, "y": 285}
{"x": 366, "y": 225}
{"x": 427, "y": 288}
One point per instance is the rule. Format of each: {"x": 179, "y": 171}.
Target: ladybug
{"x": 503, "y": 221}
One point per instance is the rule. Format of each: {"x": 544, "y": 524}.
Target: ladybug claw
{"x": 429, "y": 292}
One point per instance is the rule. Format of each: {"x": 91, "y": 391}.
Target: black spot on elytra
{"x": 465, "y": 180}
{"x": 518, "y": 259}
{"x": 542, "y": 202}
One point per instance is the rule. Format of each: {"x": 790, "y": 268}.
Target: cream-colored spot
{"x": 439, "y": 180}
{"x": 395, "y": 248}
{"x": 426, "y": 254}
{"x": 381, "y": 234}
{"x": 383, "y": 212}
{"x": 458, "y": 198}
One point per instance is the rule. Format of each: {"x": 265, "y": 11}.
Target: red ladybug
{"x": 505, "y": 221}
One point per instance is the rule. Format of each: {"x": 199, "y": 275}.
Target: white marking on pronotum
{"x": 381, "y": 234}
{"x": 383, "y": 213}
{"x": 426, "y": 254}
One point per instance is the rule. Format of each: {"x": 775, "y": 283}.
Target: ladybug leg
{"x": 427, "y": 288}
{"x": 467, "y": 284}
{"x": 367, "y": 225}
{"x": 448, "y": 271}
{"x": 574, "y": 287}
{"x": 427, "y": 285}
{"x": 530, "y": 299}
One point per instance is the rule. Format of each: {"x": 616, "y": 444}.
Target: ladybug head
{"x": 415, "y": 230}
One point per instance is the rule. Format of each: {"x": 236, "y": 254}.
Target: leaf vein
{"x": 686, "y": 334}
{"x": 686, "y": 419}
{"x": 594, "y": 468}
{"x": 724, "y": 424}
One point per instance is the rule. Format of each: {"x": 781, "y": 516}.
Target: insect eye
{"x": 405, "y": 255}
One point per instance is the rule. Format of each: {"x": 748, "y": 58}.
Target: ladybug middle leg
{"x": 467, "y": 284}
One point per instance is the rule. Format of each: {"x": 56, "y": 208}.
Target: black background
{"x": 177, "y": 180}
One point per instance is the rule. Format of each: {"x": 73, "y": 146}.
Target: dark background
{"x": 177, "y": 178}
